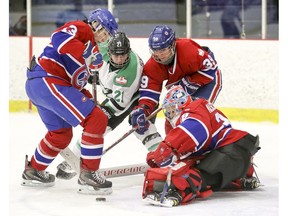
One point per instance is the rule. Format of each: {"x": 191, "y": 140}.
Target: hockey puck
{"x": 100, "y": 199}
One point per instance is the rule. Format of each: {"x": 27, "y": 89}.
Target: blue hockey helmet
{"x": 161, "y": 37}
{"x": 104, "y": 18}
{"x": 162, "y": 44}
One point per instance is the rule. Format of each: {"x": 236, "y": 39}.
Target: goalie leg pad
{"x": 249, "y": 143}
{"x": 228, "y": 163}
{"x": 185, "y": 179}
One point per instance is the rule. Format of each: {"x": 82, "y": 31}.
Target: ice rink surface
{"x": 26, "y": 130}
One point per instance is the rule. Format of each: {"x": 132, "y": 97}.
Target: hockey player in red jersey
{"x": 56, "y": 86}
{"x": 201, "y": 154}
{"x": 175, "y": 61}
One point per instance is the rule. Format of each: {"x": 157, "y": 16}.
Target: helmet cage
{"x": 119, "y": 45}
{"x": 165, "y": 55}
{"x": 175, "y": 101}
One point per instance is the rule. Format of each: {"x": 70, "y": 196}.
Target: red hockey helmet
{"x": 176, "y": 99}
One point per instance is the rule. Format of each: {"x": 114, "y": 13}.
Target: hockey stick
{"x": 131, "y": 131}
{"x": 126, "y": 170}
{"x": 166, "y": 186}
{"x": 111, "y": 172}
{"x": 94, "y": 87}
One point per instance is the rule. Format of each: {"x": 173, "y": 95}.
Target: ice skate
{"x": 93, "y": 182}
{"x": 250, "y": 183}
{"x": 32, "y": 177}
{"x": 243, "y": 184}
{"x": 172, "y": 198}
{"x": 65, "y": 171}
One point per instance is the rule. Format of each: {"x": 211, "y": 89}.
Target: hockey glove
{"x": 163, "y": 156}
{"x": 189, "y": 86}
{"x": 138, "y": 120}
{"x": 150, "y": 160}
{"x": 93, "y": 58}
{"x": 90, "y": 79}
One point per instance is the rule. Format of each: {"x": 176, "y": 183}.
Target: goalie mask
{"x": 103, "y": 24}
{"x": 119, "y": 50}
{"x": 175, "y": 101}
{"x": 162, "y": 43}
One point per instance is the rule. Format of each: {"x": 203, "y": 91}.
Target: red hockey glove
{"x": 150, "y": 160}
{"x": 93, "y": 58}
{"x": 189, "y": 86}
{"x": 162, "y": 156}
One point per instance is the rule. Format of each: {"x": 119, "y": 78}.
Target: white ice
{"x": 26, "y": 130}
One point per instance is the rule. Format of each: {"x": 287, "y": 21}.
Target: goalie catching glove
{"x": 163, "y": 156}
{"x": 93, "y": 58}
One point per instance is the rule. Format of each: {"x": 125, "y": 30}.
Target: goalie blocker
{"x": 190, "y": 179}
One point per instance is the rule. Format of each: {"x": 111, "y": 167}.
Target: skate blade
{"x": 35, "y": 183}
{"x": 87, "y": 189}
{"x": 157, "y": 202}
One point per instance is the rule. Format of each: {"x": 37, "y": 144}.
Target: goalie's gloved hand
{"x": 162, "y": 156}
{"x": 189, "y": 86}
{"x": 150, "y": 160}
{"x": 138, "y": 120}
{"x": 93, "y": 58}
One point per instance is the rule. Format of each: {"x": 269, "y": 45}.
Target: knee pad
{"x": 92, "y": 139}
{"x": 59, "y": 139}
{"x": 96, "y": 122}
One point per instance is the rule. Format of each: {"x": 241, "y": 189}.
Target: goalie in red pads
{"x": 201, "y": 154}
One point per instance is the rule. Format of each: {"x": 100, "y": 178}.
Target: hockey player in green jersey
{"x": 119, "y": 78}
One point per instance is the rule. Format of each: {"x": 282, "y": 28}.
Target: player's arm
{"x": 201, "y": 70}
{"x": 207, "y": 67}
{"x": 65, "y": 40}
{"x": 148, "y": 102}
{"x": 188, "y": 137}
{"x": 77, "y": 40}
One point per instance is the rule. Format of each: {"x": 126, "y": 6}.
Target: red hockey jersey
{"x": 190, "y": 59}
{"x": 63, "y": 56}
{"x": 201, "y": 128}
